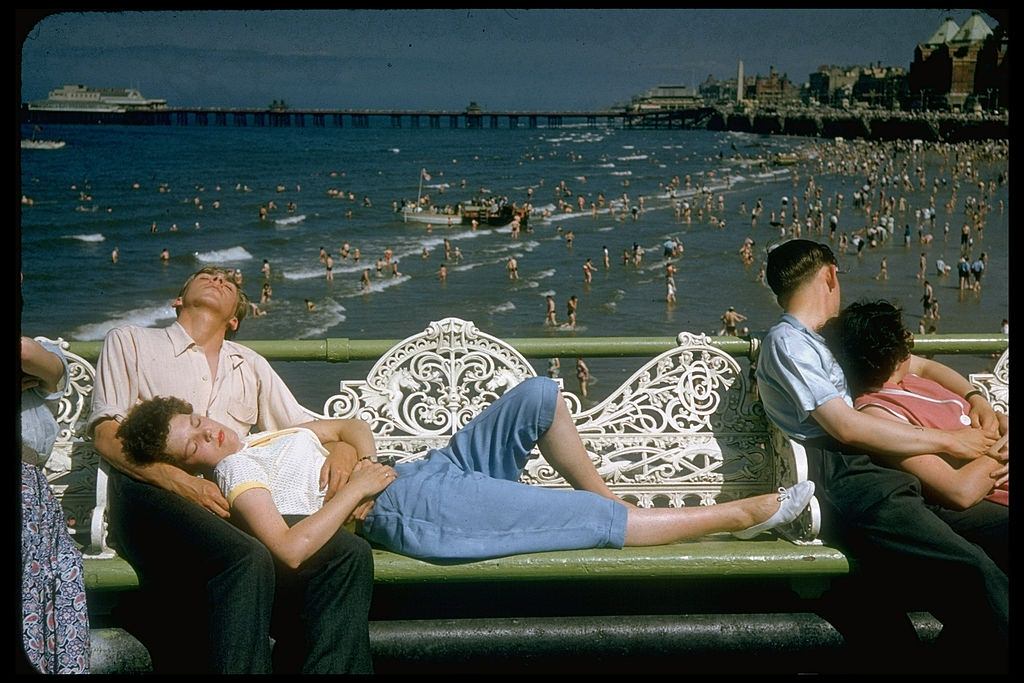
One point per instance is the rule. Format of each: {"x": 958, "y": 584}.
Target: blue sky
{"x": 503, "y": 59}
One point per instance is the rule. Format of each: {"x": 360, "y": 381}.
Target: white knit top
{"x": 287, "y": 462}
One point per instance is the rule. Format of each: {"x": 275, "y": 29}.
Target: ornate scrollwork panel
{"x": 432, "y": 383}
{"x": 996, "y": 384}
{"x": 692, "y": 388}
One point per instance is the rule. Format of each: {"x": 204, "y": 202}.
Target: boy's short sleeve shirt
{"x": 796, "y": 373}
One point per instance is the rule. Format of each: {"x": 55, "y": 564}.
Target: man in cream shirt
{"x": 216, "y": 584}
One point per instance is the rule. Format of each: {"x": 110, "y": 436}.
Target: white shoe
{"x": 792, "y": 502}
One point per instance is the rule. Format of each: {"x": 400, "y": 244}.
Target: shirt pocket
{"x": 243, "y": 401}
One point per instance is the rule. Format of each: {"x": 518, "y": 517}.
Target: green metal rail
{"x": 344, "y": 350}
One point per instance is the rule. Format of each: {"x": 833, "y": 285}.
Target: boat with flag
{"x": 491, "y": 213}
{"x": 37, "y": 143}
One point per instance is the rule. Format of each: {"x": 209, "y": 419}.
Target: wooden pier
{"x": 874, "y": 125}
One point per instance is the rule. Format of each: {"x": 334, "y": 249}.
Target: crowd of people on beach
{"x": 929, "y": 188}
{"x": 908, "y": 193}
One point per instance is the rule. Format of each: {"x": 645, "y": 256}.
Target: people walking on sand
{"x": 926, "y": 300}
{"x": 883, "y": 270}
{"x": 730, "y": 319}
{"x": 583, "y": 376}
{"x": 963, "y": 270}
{"x": 588, "y": 271}
{"x": 977, "y": 270}
{"x": 512, "y": 266}
{"x": 670, "y": 283}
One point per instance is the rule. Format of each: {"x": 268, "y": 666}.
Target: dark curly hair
{"x": 869, "y": 340}
{"x": 143, "y": 432}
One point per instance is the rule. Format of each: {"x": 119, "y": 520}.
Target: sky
{"x": 561, "y": 59}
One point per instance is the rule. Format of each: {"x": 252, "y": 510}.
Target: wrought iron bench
{"x": 684, "y": 429}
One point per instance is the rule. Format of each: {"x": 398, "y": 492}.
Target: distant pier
{"x": 874, "y": 125}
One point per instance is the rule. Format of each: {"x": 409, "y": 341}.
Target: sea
{"x": 203, "y": 186}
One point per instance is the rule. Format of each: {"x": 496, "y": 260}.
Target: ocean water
{"x": 111, "y": 183}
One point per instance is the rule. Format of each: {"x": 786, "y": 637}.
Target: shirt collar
{"x": 179, "y": 338}
{"x": 181, "y": 342}
{"x": 800, "y": 326}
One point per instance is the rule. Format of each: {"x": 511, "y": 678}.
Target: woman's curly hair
{"x": 144, "y": 431}
{"x": 869, "y": 340}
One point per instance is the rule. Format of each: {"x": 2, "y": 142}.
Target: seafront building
{"x": 958, "y": 68}
{"x": 667, "y": 97}
{"x": 962, "y": 67}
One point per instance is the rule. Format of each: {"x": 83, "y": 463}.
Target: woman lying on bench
{"x": 461, "y": 502}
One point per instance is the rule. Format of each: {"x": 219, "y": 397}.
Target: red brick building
{"x": 960, "y": 67}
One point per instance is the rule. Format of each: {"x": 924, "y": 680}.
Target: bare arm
{"x": 41, "y": 364}
{"x": 352, "y": 431}
{"x": 163, "y": 475}
{"x": 957, "y": 489}
{"x": 347, "y": 441}
{"x": 982, "y": 414}
{"x": 886, "y": 437}
{"x": 294, "y": 545}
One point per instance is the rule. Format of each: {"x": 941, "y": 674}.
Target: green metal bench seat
{"x": 710, "y": 559}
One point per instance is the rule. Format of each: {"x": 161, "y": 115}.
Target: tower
{"x": 739, "y": 84}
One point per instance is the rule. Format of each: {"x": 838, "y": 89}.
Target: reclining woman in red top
{"x": 873, "y": 347}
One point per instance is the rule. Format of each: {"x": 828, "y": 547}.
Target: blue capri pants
{"x": 464, "y": 501}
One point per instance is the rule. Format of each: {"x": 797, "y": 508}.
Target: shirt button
{"x": 204, "y": 378}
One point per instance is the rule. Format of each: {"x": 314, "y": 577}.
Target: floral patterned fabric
{"x": 55, "y": 623}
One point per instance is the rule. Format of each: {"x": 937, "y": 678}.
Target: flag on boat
{"x": 425, "y": 175}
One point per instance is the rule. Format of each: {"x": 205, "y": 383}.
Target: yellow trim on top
{"x": 242, "y": 488}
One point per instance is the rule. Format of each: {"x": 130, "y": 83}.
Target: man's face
{"x": 194, "y": 441}
{"x": 214, "y": 290}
